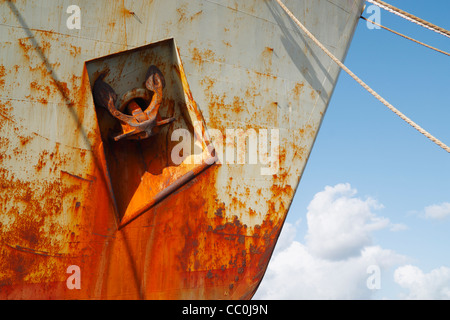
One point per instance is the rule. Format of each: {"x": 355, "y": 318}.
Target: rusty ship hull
{"x": 85, "y": 217}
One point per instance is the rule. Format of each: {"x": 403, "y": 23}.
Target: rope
{"x": 364, "y": 85}
{"x": 406, "y": 37}
{"x": 410, "y": 17}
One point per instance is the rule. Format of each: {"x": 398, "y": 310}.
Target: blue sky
{"x": 374, "y": 178}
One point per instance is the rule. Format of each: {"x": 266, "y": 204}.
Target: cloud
{"x": 339, "y": 224}
{"x": 438, "y": 211}
{"x": 338, "y": 252}
{"x": 434, "y": 285}
{"x": 295, "y": 273}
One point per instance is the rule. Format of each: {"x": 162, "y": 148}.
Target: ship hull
{"x": 82, "y": 217}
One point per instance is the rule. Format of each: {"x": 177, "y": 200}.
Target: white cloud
{"x": 425, "y": 286}
{"x": 339, "y": 224}
{"x": 438, "y": 211}
{"x": 295, "y": 273}
{"x": 334, "y": 262}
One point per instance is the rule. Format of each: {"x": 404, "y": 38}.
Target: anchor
{"x": 141, "y": 124}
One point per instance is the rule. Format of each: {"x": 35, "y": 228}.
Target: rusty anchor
{"x": 141, "y": 124}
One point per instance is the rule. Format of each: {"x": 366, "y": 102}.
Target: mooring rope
{"x": 410, "y": 17}
{"x": 362, "y": 83}
{"x": 406, "y": 37}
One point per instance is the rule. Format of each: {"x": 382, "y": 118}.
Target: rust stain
{"x": 267, "y": 56}
{"x": 2, "y": 76}
{"x": 65, "y": 90}
{"x": 183, "y": 15}
{"x": 238, "y": 104}
{"x": 298, "y": 89}
{"x": 196, "y": 15}
{"x": 208, "y": 84}
{"x": 181, "y": 11}
{"x": 35, "y": 87}
{"x": 201, "y": 56}
{"x": 25, "y": 46}
{"x": 25, "y": 140}
{"x": 75, "y": 51}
